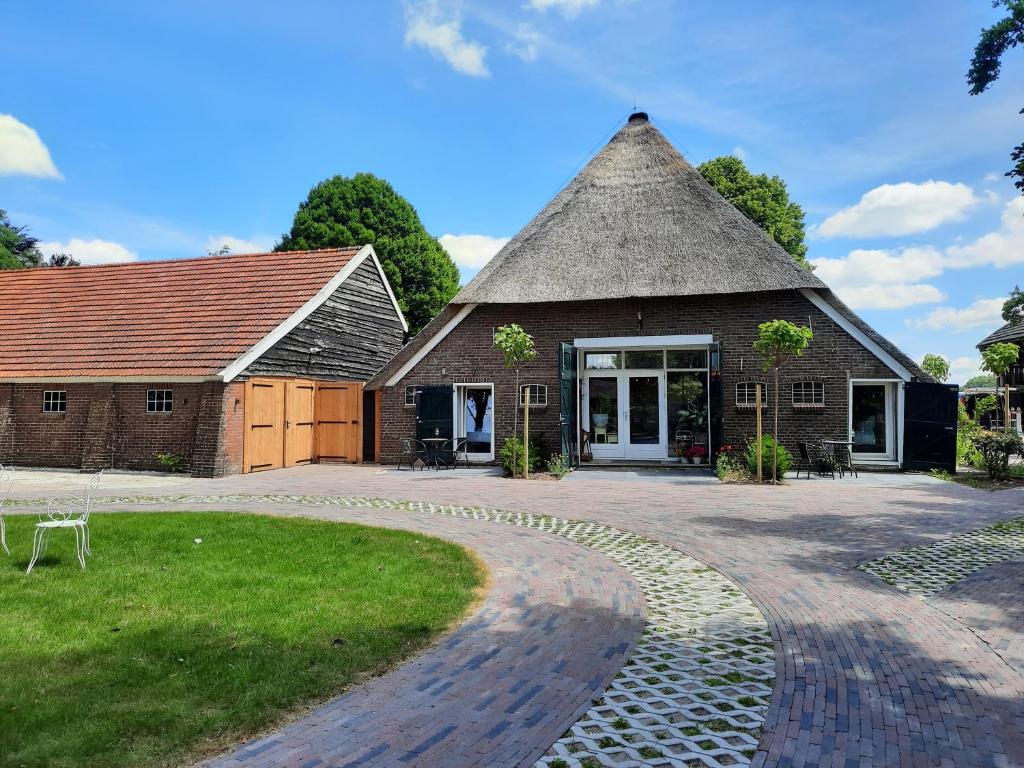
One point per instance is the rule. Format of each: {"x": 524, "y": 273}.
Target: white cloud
{"x": 22, "y": 152}
{"x": 257, "y": 244}
{"x": 983, "y": 313}
{"x": 877, "y": 279}
{"x": 525, "y": 43}
{"x": 91, "y": 251}
{"x": 1001, "y": 248}
{"x": 740, "y": 152}
{"x": 991, "y": 177}
{"x": 568, "y": 8}
{"x": 901, "y": 209}
{"x": 963, "y": 368}
{"x": 426, "y": 25}
{"x": 472, "y": 251}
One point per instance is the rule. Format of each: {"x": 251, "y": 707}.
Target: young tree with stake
{"x": 997, "y": 359}
{"x": 517, "y": 349}
{"x": 778, "y": 341}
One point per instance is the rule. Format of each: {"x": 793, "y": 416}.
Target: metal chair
{"x": 804, "y": 462}
{"x": 824, "y": 459}
{"x": 61, "y": 513}
{"x": 450, "y": 450}
{"x": 844, "y": 459}
{"x": 410, "y": 449}
{"x": 6, "y": 483}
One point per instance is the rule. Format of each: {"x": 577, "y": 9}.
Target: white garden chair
{"x": 67, "y": 511}
{"x": 6, "y": 483}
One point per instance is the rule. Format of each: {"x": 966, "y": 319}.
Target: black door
{"x": 929, "y": 427}
{"x": 434, "y": 412}
{"x": 369, "y": 425}
{"x": 567, "y": 397}
{"x": 716, "y": 401}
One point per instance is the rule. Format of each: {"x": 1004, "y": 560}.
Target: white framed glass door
{"x": 873, "y": 420}
{"x": 474, "y": 419}
{"x": 626, "y": 414}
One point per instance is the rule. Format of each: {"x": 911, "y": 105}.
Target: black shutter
{"x": 434, "y": 412}
{"x": 369, "y": 425}
{"x": 567, "y": 399}
{"x": 929, "y": 427}
{"x": 716, "y": 401}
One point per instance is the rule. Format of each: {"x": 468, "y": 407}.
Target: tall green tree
{"x": 982, "y": 380}
{"x": 777, "y": 342}
{"x": 996, "y": 40}
{"x": 17, "y": 248}
{"x": 761, "y": 198}
{"x": 362, "y": 210}
{"x": 517, "y": 349}
{"x": 1013, "y": 307}
{"x": 997, "y": 359}
{"x": 936, "y": 365}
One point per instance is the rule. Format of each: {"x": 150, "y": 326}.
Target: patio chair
{"x": 6, "y": 483}
{"x": 844, "y": 459}
{"x": 449, "y": 453}
{"x": 823, "y": 459}
{"x": 804, "y": 461}
{"x": 67, "y": 511}
{"x": 409, "y": 450}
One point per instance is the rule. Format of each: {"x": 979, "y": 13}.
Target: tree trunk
{"x": 775, "y": 450}
{"x": 1006, "y": 400}
{"x": 515, "y": 428}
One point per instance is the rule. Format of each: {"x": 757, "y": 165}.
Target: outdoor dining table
{"x": 832, "y": 446}
{"x": 433, "y": 449}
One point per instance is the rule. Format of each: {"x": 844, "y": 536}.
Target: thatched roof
{"x": 637, "y": 221}
{"x": 1012, "y": 331}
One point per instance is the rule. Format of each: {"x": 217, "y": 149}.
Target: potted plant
{"x": 696, "y": 453}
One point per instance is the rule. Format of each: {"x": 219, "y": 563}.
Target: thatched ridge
{"x": 637, "y": 221}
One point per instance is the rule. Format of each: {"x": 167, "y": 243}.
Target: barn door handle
{"x": 287, "y": 425}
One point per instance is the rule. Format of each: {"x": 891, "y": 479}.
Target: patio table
{"x": 832, "y": 446}
{"x": 433, "y": 447}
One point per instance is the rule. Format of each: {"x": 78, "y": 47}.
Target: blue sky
{"x": 159, "y": 130}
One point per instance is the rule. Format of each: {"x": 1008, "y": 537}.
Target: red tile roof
{"x": 189, "y": 317}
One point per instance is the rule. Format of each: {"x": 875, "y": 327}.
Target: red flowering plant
{"x": 696, "y": 451}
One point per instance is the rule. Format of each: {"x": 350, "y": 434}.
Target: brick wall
{"x": 466, "y": 355}
{"x": 107, "y": 425}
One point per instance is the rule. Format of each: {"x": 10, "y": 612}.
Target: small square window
{"x": 808, "y": 394}
{"x": 746, "y": 394}
{"x": 55, "y": 401}
{"x": 538, "y": 394}
{"x": 410, "y": 394}
{"x": 159, "y": 400}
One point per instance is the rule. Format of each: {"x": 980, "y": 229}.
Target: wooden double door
{"x": 289, "y": 422}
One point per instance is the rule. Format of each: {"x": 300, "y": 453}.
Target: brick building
{"x": 229, "y": 363}
{"x": 643, "y": 289}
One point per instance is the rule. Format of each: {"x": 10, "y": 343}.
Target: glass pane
{"x": 687, "y": 358}
{"x": 603, "y": 395}
{"x": 647, "y": 359}
{"x": 603, "y": 360}
{"x": 687, "y": 398}
{"x": 869, "y": 430}
{"x": 478, "y": 410}
{"x": 644, "y": 411}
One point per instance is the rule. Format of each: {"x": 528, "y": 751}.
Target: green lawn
{"x": 166, "y": 649}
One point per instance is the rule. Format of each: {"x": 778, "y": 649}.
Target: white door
{"x": 626, "y": 414}
{"x": 873, "y": 420}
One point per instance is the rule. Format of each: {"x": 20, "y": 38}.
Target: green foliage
{"x": 730, "y": 467}
{"x": 762, "y": 199}
{"x": 998, "y": 357}
{"x": 515, "y": 344}
{"x": 18, "y": 249}
{"x": 62, "y": 260}
{"x": 983, "y": 380}
{"x": 513, "y": 459}
{"x": 190, "y": 632}
{"x": 1013, "y": 307}
{"x": 171, "y": 462}
{"x": 996, "y": 448}
{"x": 985, "y": 405}
{"x": 362, "y": 210}
{"x": 768, "y": 456}
{"x": 778, "y": 340}
{"x": 996, "y": 40}
{"x": 936, "y": 365}
{"x": 967, "y": 428}
{"x": 557, "y": 466}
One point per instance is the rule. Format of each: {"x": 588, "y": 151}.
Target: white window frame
{"x": 410, "y": 395}
{"x": 750, "y": 398}
{"x": 536, "y": 390}
{"x": 815, "y": 387}
{"x": 50, "y": 400}
{"x": 165, "y": 400}
{"x": 459, "y": 420}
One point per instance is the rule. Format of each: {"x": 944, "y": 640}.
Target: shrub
{"x": 557, "y": 466}
{"x": 967, "y": 428}
{"x": 730, "y": 464}
{"x": 768, "y": 447}
{"x": 513, "y": 447}
{"x": 171, "y": 462}
{"x": 996, "y": 448}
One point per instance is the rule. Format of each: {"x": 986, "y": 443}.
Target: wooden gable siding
{"x": 356, "y": 329}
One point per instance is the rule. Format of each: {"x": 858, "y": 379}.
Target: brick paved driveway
{"x": 867, "y": 675}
